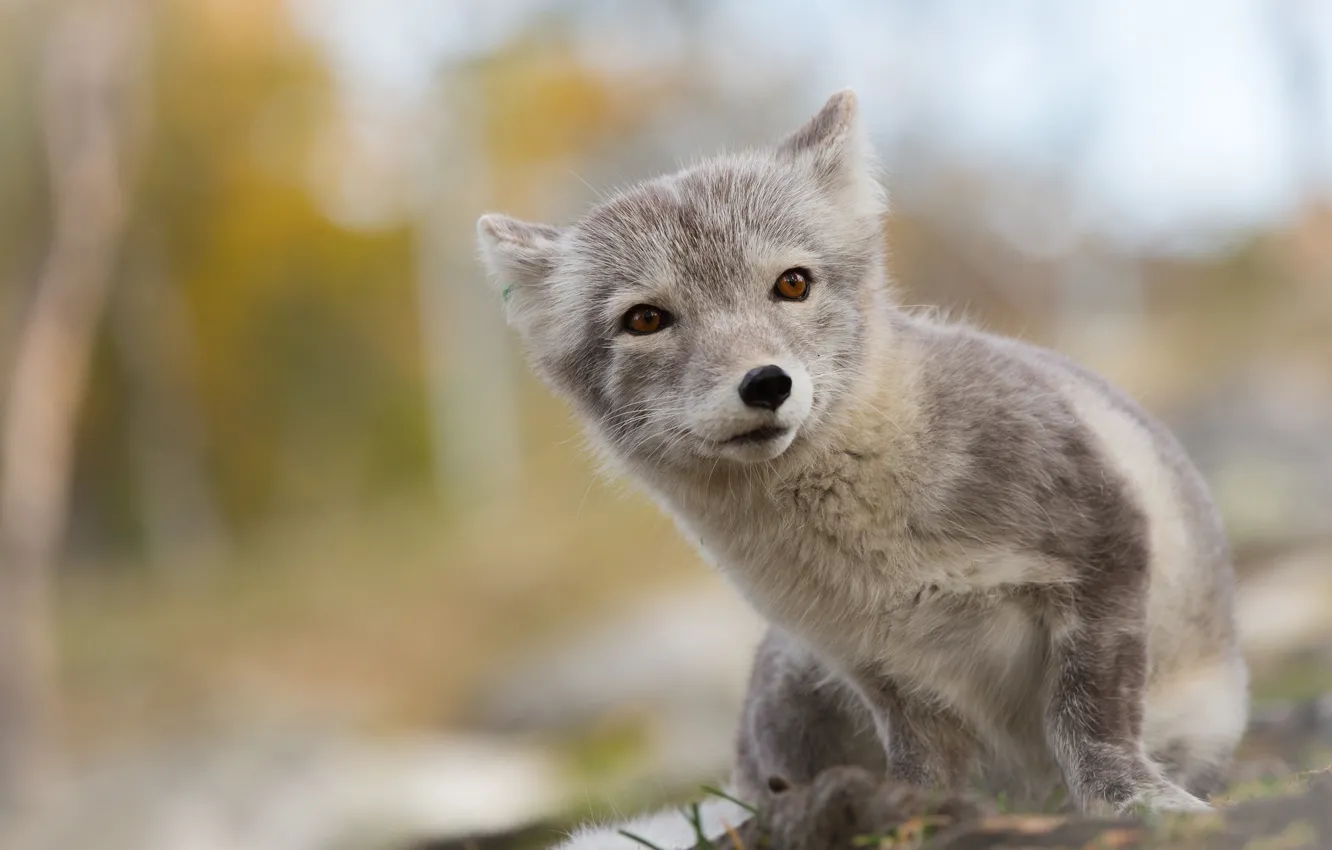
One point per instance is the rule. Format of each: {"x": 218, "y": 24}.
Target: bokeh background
{"x": 294, "y": 553}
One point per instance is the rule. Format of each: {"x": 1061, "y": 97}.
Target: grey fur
{"x": 974, "y": 553}
{"x": 799, "y": 720}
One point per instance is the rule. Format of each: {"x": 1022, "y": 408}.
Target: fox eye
{"x": 792, "y": 285}
{"x": 644, "y": 319}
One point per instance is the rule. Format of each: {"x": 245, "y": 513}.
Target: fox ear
{"x": 518, "y": 255}
{"x": 836, "y": 147}
{"x": 836, "y": 122}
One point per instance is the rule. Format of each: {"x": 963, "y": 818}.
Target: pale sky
{"x": 1170, "y": 119}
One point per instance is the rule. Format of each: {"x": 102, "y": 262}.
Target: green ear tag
{"x": 508, "y": 290}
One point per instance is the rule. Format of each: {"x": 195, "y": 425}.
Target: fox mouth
{"x": 758, "y": 435}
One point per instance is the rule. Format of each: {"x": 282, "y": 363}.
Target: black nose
{"x": 766, "y": 386}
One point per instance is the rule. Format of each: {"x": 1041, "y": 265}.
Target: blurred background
{"x": 294, "y": 553}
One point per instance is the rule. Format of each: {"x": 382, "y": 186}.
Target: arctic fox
{"x": 975, "y": 556}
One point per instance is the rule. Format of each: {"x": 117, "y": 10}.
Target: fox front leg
{"x": 927, "y": 744}
{"x": 799, "y": 719}
{"x": 1095, "y": 701}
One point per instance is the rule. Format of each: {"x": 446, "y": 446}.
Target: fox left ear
{"x": 518, "y": 255}
{"x": 836, "y": 147}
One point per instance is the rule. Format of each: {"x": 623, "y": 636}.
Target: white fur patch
{"x": 1132, "y": 450}
{"x": 1206, "y": 705}
{"x": 669, "y": 830}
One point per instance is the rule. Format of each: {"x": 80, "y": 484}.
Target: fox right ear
{"x": 834, "y": 131}
{"x": 518, "y": 255}
{"x": 836, "y": 148}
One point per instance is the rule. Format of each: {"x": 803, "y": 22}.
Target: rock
{"x": 291, "y": 790}
{"x": 1287, "y": 606}
{"x": 679, "y": 661}
{"x": 686, "y": 650}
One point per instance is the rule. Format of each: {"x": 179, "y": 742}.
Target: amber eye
{"x": 646, "y": 319}
{"x": 793, "y": 285}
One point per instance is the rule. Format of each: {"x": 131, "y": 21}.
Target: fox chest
{"x": 959, "y": 620}
{"x": 911, "y": 609}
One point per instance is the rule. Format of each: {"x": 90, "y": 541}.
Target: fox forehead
{"x": 714, "y": 222}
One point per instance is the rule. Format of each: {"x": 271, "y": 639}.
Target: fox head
{"x": 714, "y": 315}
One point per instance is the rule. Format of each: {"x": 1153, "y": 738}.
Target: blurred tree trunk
{"x": 88, "y": 102}
{"x": 469, "y": 367}
{"x": 150, "y": 326}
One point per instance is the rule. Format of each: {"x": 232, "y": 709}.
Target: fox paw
{"x": 1166, "y": 797}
